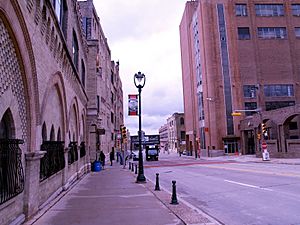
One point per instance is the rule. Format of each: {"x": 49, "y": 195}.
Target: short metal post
{"x": 129, "y": 165}
{"x": 174, "y": 197}
{"x": 136, "y": 169}
{"x": 132, "y": 168}
{"x": 157, "y": 183}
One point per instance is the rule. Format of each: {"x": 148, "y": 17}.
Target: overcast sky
{"x": 144, "y": 36}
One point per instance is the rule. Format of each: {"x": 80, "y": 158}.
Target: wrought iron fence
{"x": 54, "y": 159}
{"x": 11, "y": 169}
{"x": 73, "y": 153}
{"x": 82, "y": 149}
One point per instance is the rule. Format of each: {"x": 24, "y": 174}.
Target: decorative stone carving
{"x": 10, "y": 75}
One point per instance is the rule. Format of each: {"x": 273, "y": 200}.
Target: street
{"x": 234, "y": 193}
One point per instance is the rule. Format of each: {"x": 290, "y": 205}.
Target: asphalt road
{"x": 234, "y": 193}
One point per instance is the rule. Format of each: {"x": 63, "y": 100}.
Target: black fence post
{"x": 157, "y": 183}
{"x": 136, "y": 169}
{"x": 174, "y": 197}
{"x": 129, "y": 165}
{"x": 132, "y": 168}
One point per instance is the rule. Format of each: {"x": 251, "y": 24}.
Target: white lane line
{"x": 248, "y": 185}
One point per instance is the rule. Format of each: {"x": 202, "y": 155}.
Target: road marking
{"x": 248, "y": 185}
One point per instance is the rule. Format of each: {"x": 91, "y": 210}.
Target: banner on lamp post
{"x": 132, "y": 105}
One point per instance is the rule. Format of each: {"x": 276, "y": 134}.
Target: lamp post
{"x": 139, "y": 82}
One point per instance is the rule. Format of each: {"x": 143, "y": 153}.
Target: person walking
{"x": 102, "y": 159}
{"x": 111, "y": 157}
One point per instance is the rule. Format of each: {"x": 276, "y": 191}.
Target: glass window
{"x": 296, "y": 9}
{"x": 277, "y": 105}
{"x": 279, "y": 90}
{"x": 82, "y": 73}
{"x": 75, "y": 50}
{"x": 250, "y": 106}
{"x": 269, "y": 9}
{"x": 241, "y": 10}
{"x": 297, "y": 32}
{"x": 58, "y": 9}
{"x": 272, "y": 32}
{"x": 243, "y": 33}
{"x": 249, "y": 91}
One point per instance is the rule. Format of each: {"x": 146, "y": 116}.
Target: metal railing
{"x": 11, "y": 169}
{"x": 82, "y": 149}
{"x": 73, "y": 153}
{"x": 54, "y": 159}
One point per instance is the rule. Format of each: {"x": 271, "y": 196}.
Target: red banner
{"x": 132, "y": 105}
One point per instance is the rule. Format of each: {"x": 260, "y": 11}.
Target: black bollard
{"x": 129, "y": 165}
{"x": 132, "y": 167}
{"x": 157, "y": 183}
{"x": 135, "y": 168}
{"x": 174, "y": 197}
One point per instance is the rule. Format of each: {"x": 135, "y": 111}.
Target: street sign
{"x": 236, "y": 114}
{"x": 264, "y": 145}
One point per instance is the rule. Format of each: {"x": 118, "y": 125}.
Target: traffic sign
{"x": 264, "y": 145}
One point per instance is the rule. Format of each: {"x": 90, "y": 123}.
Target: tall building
{"x": 48, "y": 100}
{"x": 241, "y": 56}
{"x": 105, "y": 106}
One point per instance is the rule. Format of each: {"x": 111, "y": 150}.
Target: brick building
{"x": 241, "y": 55}
{"x": 46, "y": 69}
{"x": 163, "y": 137}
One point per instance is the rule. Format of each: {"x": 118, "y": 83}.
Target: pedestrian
{"x": 111, "y": 157}
{"x": 102, "y": 159}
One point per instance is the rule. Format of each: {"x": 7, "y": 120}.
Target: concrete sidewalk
{"x": 111, "y": 197}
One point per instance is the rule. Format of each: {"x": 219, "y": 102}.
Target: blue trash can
{"x": 97, "y": 166}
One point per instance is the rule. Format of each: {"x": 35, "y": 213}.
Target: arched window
{"x": 58, "y": 135}
{"x": 82, "y": 73}
{"x": 7, "y": 127}
{"x": 52, "y": 134}
{"x": 75, "y": 50}
{"x": 44, "y": 132}
{"x": 181, "y": 121}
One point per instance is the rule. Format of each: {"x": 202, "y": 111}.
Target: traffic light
{"x": 124, "y": 133}
{"x": 264, "y": 128}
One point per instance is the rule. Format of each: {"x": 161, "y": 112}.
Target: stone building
{"x": 45, "y": 73}
{"x": 240, "y": 55}
{"x": 176, "y": 132}
{"x": 163, "y": 136}
{"x": 105, "y": 106}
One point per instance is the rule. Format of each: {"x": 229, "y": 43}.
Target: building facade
{"x": 45, "y": 74}
{"x": 176, "y": 132}
{"x": 240, "y": 56}
{"x": 105, "y": 106}
{"x": 163, "y": 135}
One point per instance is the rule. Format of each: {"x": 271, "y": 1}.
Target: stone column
{"x": 32, "y": 182}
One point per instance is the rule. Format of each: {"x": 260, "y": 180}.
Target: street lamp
{"x": 139, "y": 82}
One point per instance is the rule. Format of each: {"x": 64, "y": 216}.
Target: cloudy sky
{"x": 144, "y": 36}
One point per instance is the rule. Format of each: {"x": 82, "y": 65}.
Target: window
{"x": 98, "y": 103}
{"x": 241, "y": 10}
{"x": 87, "y": 27}
{"x": 279, "y": 90}
{"x": 297, "y": 32}
{"x": 293, "y": 125}
{"x": 112, "y": 98}
{"x": 44, "y": 132}
{"x": 112, "y": 117}
{"x": 112, "y": 77}
{"x": 75, "y": 50}
{"x": 250, "y": 106}
{"x": 7, "y": 130}
{"x": 243, "y": 33}
{"x": 58, "y": 7}
{"x": 249, "y": 91}
{"x": 272, "y": 32}
{"x": 296, "y": 9}
{"x": 277, "y": 105}
{"x": 82, "y": 73}
{"x": 269, "y": 10}
{"x": 182, "y": 135}
{"x": 181, "y": 121}
{"x": 52, "y": 134}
